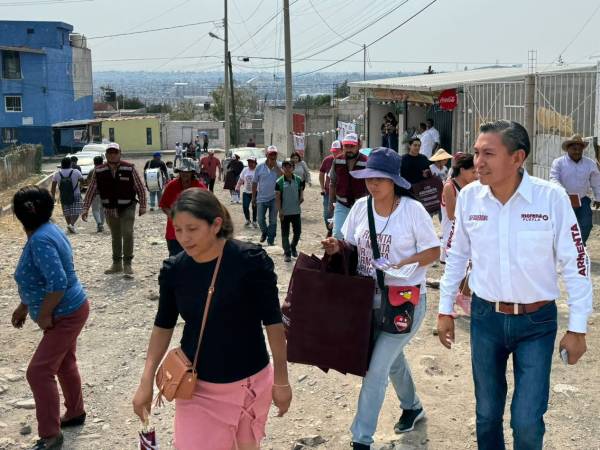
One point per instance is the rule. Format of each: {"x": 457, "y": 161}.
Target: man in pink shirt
{"x": 336, "y": 148}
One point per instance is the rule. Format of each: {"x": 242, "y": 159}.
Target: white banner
{"x": 299, "y": 142}
{"x": 345, "y": 128}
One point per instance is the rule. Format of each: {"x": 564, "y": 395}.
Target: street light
{"x": 213, "y": 35}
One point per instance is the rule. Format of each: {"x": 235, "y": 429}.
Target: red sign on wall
{"x": 448, "y": 100}
{"x": 298, "y": 124}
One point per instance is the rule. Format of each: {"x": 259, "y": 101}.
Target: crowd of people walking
{"x": 493, "y": 217}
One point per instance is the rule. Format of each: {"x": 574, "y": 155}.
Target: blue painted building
{"x": 45, "y": 78}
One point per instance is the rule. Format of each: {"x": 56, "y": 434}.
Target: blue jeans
{"x": 340, "y": 213}
{"x": 246, "y": 202}
{"x": 584, "y": 218}
{"x": 269, "y": 231}
{"x": 530, "y": 340}
{"x": 155, "y": 197}
{"x": 326, "y": 208}
{"x": 387, "y": 363}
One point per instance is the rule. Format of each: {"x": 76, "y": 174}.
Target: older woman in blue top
{"x": 55, "y": 300}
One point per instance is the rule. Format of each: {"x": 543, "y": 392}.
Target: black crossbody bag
{"x": 397, "y": 302}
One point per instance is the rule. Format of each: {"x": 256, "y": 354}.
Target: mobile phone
{"x": 564, "y": 355}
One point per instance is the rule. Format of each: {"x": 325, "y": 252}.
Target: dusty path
{"x": 112, "y": 348}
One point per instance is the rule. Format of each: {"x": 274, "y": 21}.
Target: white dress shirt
{"x": 516, "y": 249}
{"x": 428, "y": 140}
{"x": 576, "y": 177}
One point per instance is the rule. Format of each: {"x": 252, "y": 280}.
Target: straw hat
{"x": 575, "y": 139}
{"x": 440, "y": 155}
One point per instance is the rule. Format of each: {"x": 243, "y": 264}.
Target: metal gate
{"x": 566, "y": 104}
{"x": 484, "y": 102}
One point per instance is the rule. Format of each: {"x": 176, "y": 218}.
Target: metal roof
{"x": 449, "y": 80}
{"x": 75, "y": 123}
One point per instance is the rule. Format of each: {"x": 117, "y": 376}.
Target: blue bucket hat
{"x": 157, "y": 154}
{"x": 383, "y": 163}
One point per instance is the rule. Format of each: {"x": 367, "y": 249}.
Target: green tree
{"x": 342, "y": 90}
{"x": 185, "y": 110}
{"x": 130, "y": 102}
{"x": 313, "y": 102}
{"x": 246, "y": 103}
{"x": 159, "y": 109}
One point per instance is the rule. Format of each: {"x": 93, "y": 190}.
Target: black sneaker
{"x": 263, "y": 238}
{"x": 358, "y": 446}
{"x": 294, "y": 253}
{"x": 408, "y": 420}
{"x": 73, "y": 422}
{"x": 287, "y": 258}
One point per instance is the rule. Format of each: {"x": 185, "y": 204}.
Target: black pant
{"x": 211, "y": 184}
{"x": 246, "y": 202}
{"x": 296, "y": 223}
{"x": 174, "y": 247}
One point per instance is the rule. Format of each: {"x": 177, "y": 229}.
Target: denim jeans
{"x": 387, "y": 363}
{"x": 246, "y": 203}
{"x": 584, "y": 218}
{"x": 269, "y": 231}
{"x": 326, "y": 208}
{"x": 155, "y": 197}
{"x": 98, "y": 210}
{"x": 530, "y": 340}
{"x": 340, "y": 213}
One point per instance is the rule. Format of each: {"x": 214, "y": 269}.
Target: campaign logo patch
{"x": 529, "y": 217}
{"x": 478, "y": 218}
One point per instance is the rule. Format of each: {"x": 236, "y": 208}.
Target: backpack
{"x": 66, "y": 189}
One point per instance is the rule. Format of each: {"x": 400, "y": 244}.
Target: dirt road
{"x": 112, "y": 349}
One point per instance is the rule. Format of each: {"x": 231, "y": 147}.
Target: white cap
{"x": 113, "y": 145}
{"x": 335, "y": 145}
{"x": 271, "y": 149}
{"x": 350, "y": 139}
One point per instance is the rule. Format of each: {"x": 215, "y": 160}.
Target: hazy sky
{"x": 448, "y": 35}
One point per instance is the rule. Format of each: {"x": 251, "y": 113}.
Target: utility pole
{"x": 226, "y": 84}
{"x": 365, "y": 92}
{"x": 232, "y": 92}
{"x": 289, "y": 128}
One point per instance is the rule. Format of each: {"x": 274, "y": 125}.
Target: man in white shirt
{"x": 430, "y": 140}
{"x": 178, "y": 154}
{"x": 517, "y": 230}
{"x": 578, "y": 175}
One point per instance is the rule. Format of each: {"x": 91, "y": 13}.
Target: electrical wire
{"x": 583, "y": 27}
{"x": 329, "y": 26}
{"x": 250, "y": 16}
{"x": 44, "y": 2}
{"x": 155, "y": 29}
{"x": 373, "y": 42}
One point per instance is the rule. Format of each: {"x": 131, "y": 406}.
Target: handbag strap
{"x": 374, "y": 244}
{"x": 211, "y": 291}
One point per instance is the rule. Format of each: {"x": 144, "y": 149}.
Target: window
{"x": 148, "y": 136}
{"x": 9, "y": 135}
{"x": 12, "y": 103}
{"x": 111, "y": 134}
{"x": 11, "y": 65}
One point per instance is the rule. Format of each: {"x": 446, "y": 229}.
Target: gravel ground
{"x": 112, "y": 348}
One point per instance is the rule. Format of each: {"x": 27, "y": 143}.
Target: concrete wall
{"x": 130, "y": 133}
{"x": 185, "y": 131}
{"x": 56, "y": 85}
{"x": 19, "y": 164}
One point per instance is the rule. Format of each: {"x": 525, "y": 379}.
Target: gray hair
{"x": 514, "y": 135}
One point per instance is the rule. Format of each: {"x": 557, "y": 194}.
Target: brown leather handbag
{"x": 176, "y": 376}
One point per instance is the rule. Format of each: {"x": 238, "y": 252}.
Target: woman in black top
{"x": 415, "y": 166}
{"x": 236, "y": 382}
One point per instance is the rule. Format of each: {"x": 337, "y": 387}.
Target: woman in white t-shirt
{"x": 69, "y": 192}
{"x": 245, "y": 180}
{"x": 405, "y": 235}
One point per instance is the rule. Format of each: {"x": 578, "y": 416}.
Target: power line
{"x": 329, "y": 26}
{"x": 155, "y": 29}
{"x": 384, "y": 15}
{"x": 250, "y": 16}
{"x": 589, "y": 19}
{"x": 44, "y": 2}
{"x": 372, "y": 43}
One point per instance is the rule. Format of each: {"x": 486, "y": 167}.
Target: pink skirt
{"x": 222, "y": 415}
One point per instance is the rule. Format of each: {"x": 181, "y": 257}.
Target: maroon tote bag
{"x": 328, "y": 317}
